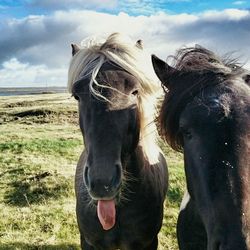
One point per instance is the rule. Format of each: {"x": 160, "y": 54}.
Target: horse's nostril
{"x": 86, "y": 176}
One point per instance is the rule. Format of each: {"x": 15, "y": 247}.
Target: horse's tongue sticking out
{"x": 106, "y": 213}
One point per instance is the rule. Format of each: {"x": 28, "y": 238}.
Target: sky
{"x": 35, "y": 35}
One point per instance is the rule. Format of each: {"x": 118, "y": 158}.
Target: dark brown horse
{"x": 206, "y": 113}
{"x": 121, "y": 177}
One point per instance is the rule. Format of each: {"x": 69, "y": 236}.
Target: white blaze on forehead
{"x": 185, "y": 200}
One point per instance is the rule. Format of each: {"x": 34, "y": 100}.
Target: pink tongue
{"x": 106, "y": 213}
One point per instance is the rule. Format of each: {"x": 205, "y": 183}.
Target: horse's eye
{"x": 186, "y": 133}
{"x": 135, "y": 92}
{"x": 76, "y": 97}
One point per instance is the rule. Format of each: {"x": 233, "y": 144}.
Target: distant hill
{"x": 31, "y": 91}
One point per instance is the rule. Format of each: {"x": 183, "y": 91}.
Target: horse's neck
{"x": 139, "y": 166}
{"x": 143, "y": 175}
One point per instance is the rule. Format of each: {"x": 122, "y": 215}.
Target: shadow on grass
{"x": 38, "y": 188}
{"x": 34, "y": 112}
{"x": 12, "y": 171}
{"x": 23, "y": 246}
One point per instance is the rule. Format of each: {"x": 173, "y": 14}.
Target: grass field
{"x": 40, "y": 143}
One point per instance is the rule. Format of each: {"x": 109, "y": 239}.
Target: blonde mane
{"x": 119, "y": 50}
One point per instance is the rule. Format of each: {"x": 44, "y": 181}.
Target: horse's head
{"x": 206, "y": 113}
{"x": 110, "y": 125}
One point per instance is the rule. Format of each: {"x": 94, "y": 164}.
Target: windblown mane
{"x": 120, "y": 51}
{"x": 196, "y": 69}
{"x": 200, "y": 59}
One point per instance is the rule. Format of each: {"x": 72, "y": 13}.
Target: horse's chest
{"x": 138, "y": 220}
{"x": 134, "y": 225}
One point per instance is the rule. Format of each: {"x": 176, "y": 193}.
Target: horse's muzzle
{"x": 103, "y": 184}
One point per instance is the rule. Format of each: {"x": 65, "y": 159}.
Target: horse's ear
{"x": 139, "y": 44}
{"x": 162, "y": 70}
{"x": 75, "y": 48}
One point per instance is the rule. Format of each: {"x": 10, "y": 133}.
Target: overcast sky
{"x": 35, "y": 35}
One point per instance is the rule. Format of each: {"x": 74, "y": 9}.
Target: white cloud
{"x": 41, "y": 44}
{"x": 226, "y": 15}
{"x": 17, "y": 74}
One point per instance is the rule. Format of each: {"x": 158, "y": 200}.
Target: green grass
{"x": 40, "y": 143}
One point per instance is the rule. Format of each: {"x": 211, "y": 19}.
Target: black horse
{"x": 205, "y": 113}
{"x": 121, "y": 177}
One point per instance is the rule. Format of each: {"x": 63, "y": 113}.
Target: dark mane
{"x": 199, "y": 59}
{"x": 196, "y": 68}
